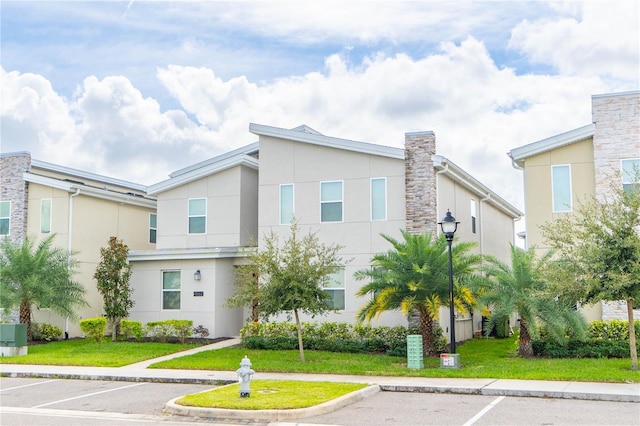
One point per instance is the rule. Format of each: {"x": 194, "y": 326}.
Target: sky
{"x": 136, "y": 89}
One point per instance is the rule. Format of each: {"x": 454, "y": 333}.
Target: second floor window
{"x": 473, "y": 216}
{"x": 630, "y": 173}
{"x": 286, "y": 204}
{"x": 379, "y": 199}
{"x": 561, "y": 188}
{"x": 331, "y": 201}
{"x": 5, "y": 217}
{"x": 197, "y": 216}
{"x": 153, "y": 227}
{"x": 45, "y": 216}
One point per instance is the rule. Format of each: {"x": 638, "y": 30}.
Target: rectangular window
{"x": 5, "y": 217}
{"x": 153, "y": 227}
{"x": 197, "y": 216}
{"x": 334, "y": 286}
{"x": 45, "y": 216}
{"x": 630, "y": 173}
{"x": 331, "y": 201}
{"x": 473, "y": 216}
{"x": 170, "y": 289}
{"x": 561, "y": 188}
{"x": 379, "y": 199}
{"x": 286, "y": 204}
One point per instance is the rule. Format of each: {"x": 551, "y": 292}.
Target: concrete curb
{"x": 270, "y": 415}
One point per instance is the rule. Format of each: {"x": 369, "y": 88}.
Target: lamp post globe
{"x": 449, "y": 226}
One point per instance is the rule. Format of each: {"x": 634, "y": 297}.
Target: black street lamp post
{"x": 449, "y": 227}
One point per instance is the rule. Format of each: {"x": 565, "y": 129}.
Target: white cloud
{"x": 601, "y": 39}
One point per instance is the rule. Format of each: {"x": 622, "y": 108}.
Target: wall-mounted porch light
{"x": 197, "y": 275}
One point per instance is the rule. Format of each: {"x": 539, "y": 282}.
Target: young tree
{"x": 521, "y": 288}
{"x": 414, "y": 276}
{"x": 40, "y": 276}
{"x": 112, "y": 275}
{"x": 599, "y": 247}
{"x": 290, "y": 277}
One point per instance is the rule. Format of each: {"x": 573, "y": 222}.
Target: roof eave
{"x": 518, "y": 155}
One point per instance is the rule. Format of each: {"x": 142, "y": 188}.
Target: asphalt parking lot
{"x": 27, "y": 401}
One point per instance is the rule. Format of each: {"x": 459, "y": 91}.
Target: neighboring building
{"x": 38, "y": 199}
{"x": 563, "y": 170}
{"x": 348, "y": 192}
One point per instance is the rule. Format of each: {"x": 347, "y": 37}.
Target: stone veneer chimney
{"x": 13, "y": 188}
{"x": 420, "y": 182}
{"x": 617, "y": 134}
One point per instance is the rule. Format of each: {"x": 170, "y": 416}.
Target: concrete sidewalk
{"x": 532, "y": 388}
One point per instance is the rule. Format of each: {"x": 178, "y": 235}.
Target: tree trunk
{"x": 299, "y": 326}
{"x": 632, "y": 336}
{"x": 25, "y": 317}
{"x": 115, "y": 323}
{"x": 525, "y": 348}
{"x": 426, "y": 328}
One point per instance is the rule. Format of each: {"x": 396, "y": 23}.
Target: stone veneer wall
{"x": 617, "y": 134}
{"x": 13, "y": 188}
{"x": 420, "y": 183}
{"x": 617, "y": 137}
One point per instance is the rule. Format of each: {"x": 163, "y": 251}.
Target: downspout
{"x": 444, "y": 170}
{"x": 70, "y": 247}
{"x": 487, "y": 198}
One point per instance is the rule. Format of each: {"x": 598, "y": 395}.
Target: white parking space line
{"x": 89, "y": 394}
{"x": 30, "y": 384}
{"x": 484, "y": 411}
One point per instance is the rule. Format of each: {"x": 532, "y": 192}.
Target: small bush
{"x": 612, "y": 329}
{"x": 170, "y": 329}
{"x": 591, "y": 348}
{"x": 201, "y": 332}
{"x": 131, "y": 329}
{"x": 94, "y": 328}
{"x": 46, "y": 332}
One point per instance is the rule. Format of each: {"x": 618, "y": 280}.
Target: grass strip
{"x": 271, "y": 395}
{"x": 83, "y": 352}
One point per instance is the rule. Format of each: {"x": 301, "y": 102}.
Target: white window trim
{"x": 621, "y": 169}
{"x": 473, "y": 206}
{"x": 343, "y": 288}
{"x": 293, "y": 202}
{"x": 333, "y": 201}
{"x": 8, "y": 217}
{"x": 189, "y": 216}
{"x": 152, "y": 228}
{"x": 371, "y": 199}
{"x": 162, "y": 290}
{"x": 553, "y": 197}
{"x": 50, "y": 214}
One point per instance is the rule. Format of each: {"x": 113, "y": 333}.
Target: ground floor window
{"x": 170, "y": 289}
{"x": 334, "y": 286}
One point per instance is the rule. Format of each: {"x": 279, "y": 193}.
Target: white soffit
{"x": 222, "y": 163}
{"x": 105, "y": 194}
{"x": 318, "y": 139}
{"x": 554, "y": 142}
{"x": 442, "y": 164}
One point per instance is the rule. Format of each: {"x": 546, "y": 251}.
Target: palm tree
{"x": 39, "y": 276}
{"x": 521, "y": 288}
{"x": 414, "y": 276}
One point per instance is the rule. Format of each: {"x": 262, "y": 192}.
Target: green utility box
{"x": 13, "y": 339}
{"x": 450, "y": 361}
{"x": 415, "y": 356}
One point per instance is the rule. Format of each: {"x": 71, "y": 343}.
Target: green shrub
{"x": 170, "y": 329}
{"x": 131, "y": 329}
{"x": 333, "y": 337}
{"x": 94, "y": 328}
{"x": 612, "y": 329}
{"x": 46, "y": 332}
{"x": 591, "y": 348}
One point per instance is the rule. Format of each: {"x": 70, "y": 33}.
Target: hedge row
{"x": 333, "y": 337}
{"x": 162, "y": 331}
{"x": 607, "y": 339}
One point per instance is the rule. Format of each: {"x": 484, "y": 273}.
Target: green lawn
{"x": 271, "y": 395}
{"x": 479, "y": 358}
{"x": 84, "y": 352}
